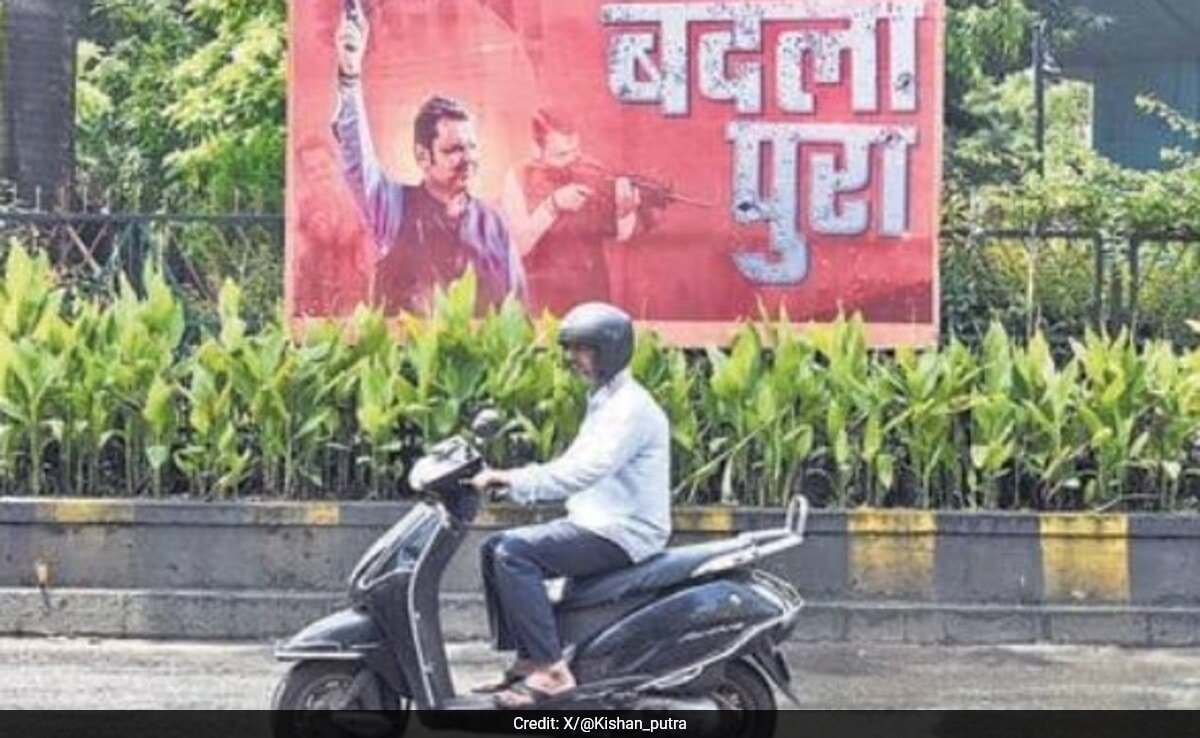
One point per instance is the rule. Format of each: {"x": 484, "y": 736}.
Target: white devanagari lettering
{"x": 744, "y": 84}
{"x": 789, "y": 264}
{"x": 831, "y": 209}
{"x": 635, "y": 76}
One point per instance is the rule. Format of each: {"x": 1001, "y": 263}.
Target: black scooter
{"x": 695, "y": 627}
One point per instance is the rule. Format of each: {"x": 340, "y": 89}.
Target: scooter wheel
{"x": 746, "y": 696}
{"x": 317, "y": 685}
{"x": 314, "y": 698}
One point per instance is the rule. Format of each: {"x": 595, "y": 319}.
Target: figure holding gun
{"x": 428, "y": 233}
{"x": 563, "y": 207}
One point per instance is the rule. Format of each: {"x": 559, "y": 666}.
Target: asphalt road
{"x": 111, "y": 674}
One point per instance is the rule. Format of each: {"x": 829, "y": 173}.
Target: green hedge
{"x": 104, "y": 398}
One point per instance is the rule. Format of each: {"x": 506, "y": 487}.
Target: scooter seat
{"x": 657, "y": 572}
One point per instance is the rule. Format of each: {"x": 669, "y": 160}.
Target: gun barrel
{"x": 686, "y": 200}
{"x": 666, "y": 191}
{"x": 649, "y": 185}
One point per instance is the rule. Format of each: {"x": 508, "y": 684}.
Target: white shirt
{"x": 616, "y": 474}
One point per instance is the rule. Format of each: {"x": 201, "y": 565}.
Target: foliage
{"x": 181, "y": 108}
{"x": 1029, "y": 280}
{"x": 98, "y": 398}
{"x": 124, "y": 81}
{"x": 989, "y": 95}
{"x": 76, "y": 380}
{"x": 181, "y": 102}
{"x": 230, "y": 102}
{"x": 985, "y": 39}
{"x": 993, "y": 182}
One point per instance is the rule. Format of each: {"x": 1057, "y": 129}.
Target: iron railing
{"x": 200, "y": 250}
{"x": 1119, "y": 268}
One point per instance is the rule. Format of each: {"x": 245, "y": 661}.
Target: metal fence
{"x": 1061, "y": 280}
{"x": 91, "y": 250}
{"x": 1066, "y": 281}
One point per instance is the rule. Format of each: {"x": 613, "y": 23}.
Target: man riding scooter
{"x": 615, "y": 477}
{"x": 695, "y": 627}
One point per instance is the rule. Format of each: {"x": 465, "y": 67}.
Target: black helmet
{"x": 603, "y": 327}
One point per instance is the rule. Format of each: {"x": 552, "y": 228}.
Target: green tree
{"x": 126, "y": 68}
{"x": 184, "y": 100}
{"x": 985, "y": 40}
{"x": 230, "y": 102}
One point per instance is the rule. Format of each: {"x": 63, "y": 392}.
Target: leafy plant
{"x": 105, "y": 398}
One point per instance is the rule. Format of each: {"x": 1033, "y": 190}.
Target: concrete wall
{"x": 252, "y": 570}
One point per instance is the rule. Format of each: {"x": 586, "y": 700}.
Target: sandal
{"x": 523, "y": 689}
{"x": 507, "y": 680}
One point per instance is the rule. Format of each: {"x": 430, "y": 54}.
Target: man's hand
{"x": 570, "y": 198}
{"x": 628, "y": 198}
{"x": 352, "y": 43}
{"x": 490, "y": 480}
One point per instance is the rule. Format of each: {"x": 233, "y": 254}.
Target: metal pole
{"x": 1135, "y": 276}
{"x": 1098, "y": 285}
{"x": 1039, "y": 93}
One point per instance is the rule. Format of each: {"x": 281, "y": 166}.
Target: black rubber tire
{"x": 315, "y": 685}
{"x": 319, "y": 686}
{"x": 748, "y": 699}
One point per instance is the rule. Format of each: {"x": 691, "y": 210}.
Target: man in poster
{"x": 562, "y": 208}
{"x": 331, "y": 259}
{"x": 430, "y": 233}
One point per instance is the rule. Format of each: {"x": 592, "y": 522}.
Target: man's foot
{"x": 542, "y": 684}
{"x": 512, "y": 675}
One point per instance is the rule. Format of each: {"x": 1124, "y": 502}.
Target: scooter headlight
{"x": 419, "y": 475}
{"x": 445, "y": 461}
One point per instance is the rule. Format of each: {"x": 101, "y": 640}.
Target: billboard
{"x": 688, "y": 161}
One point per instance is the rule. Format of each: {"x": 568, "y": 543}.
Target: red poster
{"x": 687, "y": 161}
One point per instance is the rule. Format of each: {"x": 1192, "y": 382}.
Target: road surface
{"x": 59, "y": 673}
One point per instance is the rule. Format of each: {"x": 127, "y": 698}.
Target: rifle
{"x": 655, "y": 193}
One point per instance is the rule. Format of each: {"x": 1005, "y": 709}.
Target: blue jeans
{"x": 516, "y": 564}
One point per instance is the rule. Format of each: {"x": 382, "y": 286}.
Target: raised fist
{"x": 352, "y": 39}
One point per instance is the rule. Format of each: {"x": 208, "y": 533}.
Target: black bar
{"x": 1098, "y": 285}
{"x": 562, "y": 724}
{"x": 1186, "y": 237}
{"x": 1039, "y": 94}
{"x": 1182, "y": 236}
{"x": 1135, "y": 245}
{"x": 40, "y": 218}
